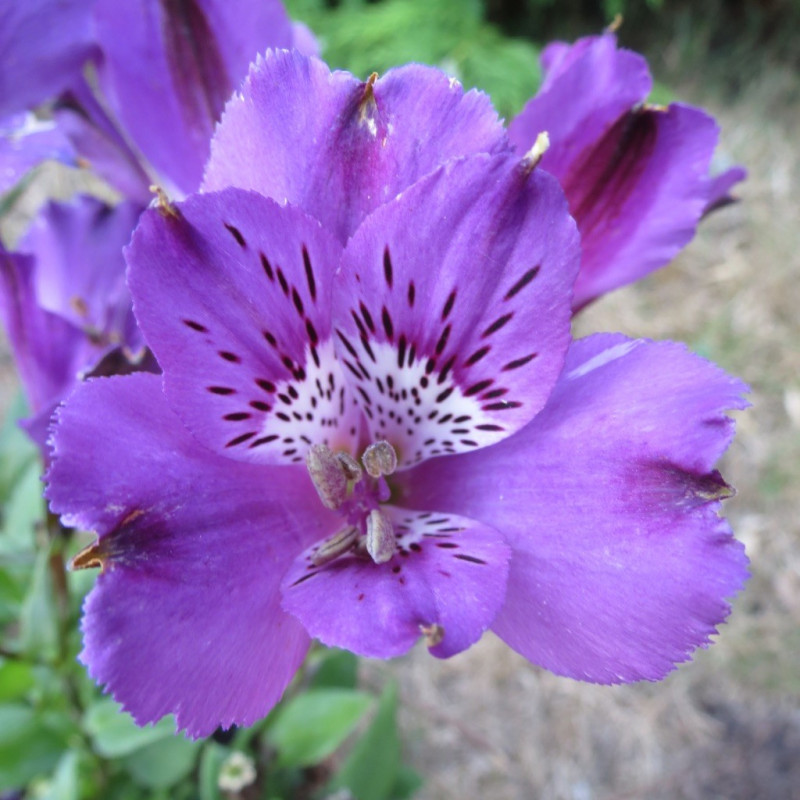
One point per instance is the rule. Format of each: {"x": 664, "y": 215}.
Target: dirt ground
{"x": 487, "y": 724}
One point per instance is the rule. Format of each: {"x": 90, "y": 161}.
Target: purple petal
{"x": 620, "y": 561}
{"x": 48, "y": 350}
{"x": 185, "y": 617}
{"x": 303, "y": 40}
{"x": 43, "y": 45}
{"x": 339, "y": 148}
{"x": 718, "y": 195}
{"x": 452, "y": 306}
{"x": 587, "y": 89}
{"x": 636, "y": 178}
{"x": 26, "y": 142}
{"x": 170, "y": 66}
{"x": 447, "y": 578}
{"x": 233, "y": 295}
{"x": 98, "y": 142}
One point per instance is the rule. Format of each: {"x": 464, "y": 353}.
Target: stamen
{"x": 531, "y": 159}
{"x": 334, "y": 547}
{"x": 351, "y": 467}
{"x": 433, "y": 634}
{"x": 379, "y": 459}
{"x": 327, "y": 475}
{"x": 381, "y": 541}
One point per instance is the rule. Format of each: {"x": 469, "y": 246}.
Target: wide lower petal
{"x": 452, "y": 306}
{"x": 169, "y": 67}
{"x": 185, "y": 617}
{"x": 233, "y": 294}
{"x": 621, "y": 564}
{"x": 339, "y": 148}
{"x": 446, "y": 582}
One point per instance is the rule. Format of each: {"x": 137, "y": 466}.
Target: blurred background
{"x": 487, "y": 723}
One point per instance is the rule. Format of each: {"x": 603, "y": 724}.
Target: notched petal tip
{"x": 532, "y": 158}
{"x": 162, "y": 202}
{"x": 92, "y": 556}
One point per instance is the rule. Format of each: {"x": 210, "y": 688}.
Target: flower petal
{"x": 185, "y": 617}
{"x": 447, "y": 579}
{"x": 720, "y": 186}
{"x": 452, "y": 306}
{"x": 169, "y": 68}
{"x": 43, "y": 44}
{"x": 339, "y": 148}
{"x": 621, "y": 563}
{"x": 636, "y": 177}
{"x": 233, "y": 295}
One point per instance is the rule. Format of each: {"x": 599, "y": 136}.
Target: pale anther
{"x": 334, "y": 547}
{"x": 327, "y": 475}
{"x": 381, "y": 541}
{"x": 433, "y": 634}
{"x": 351, "y": 467}
{"x": 379, "y": 459}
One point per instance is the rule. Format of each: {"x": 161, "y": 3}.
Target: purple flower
{"x": 164, "y": 68}
{"x": 636, "y": 175}
{"x": 373, "y": 426}
{"x": 64, "y": 302}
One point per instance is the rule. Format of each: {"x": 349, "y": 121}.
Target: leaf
{"x": 64, "y": 785}
{"x": 24, "y": 510}
{"x": 16, "y": 449}
{"x": 211, "y": 760}
{"x": 38, "y": 621}
{"x": 408, "y": 783}
{"x": 162, "y": 764}
{"x": 336, "y": 669}
{"x": 16, "y": 679}
{"x": 115, "y": 734}
{"x": 30, "y": 744}
{"x": 312, "y": 725}
{"x": 373, "y": 766}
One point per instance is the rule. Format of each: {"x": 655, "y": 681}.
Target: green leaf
{"x": 312, "y": 725}
{"x": 64, "y": 785}
{"x": 211, "y": 760}
{"x": 16, "y": 679}
{"x": 408, "y": 783}
{"x": 16, "y": 449}
{"x": 162, "y": 764}
{"x": 38, "y": 623}
{"x": 373, "y": 766}
{"x": 23, "y": 512}
{"x": 30, "y": 744}
{"x": 336, "y": 669}
{"x": 114, "y": 733}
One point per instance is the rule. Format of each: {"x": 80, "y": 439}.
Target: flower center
{"x": 356, "y": 493}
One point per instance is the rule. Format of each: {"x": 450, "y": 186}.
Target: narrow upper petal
{"x": 233, "y": 293}
{"x": 339, "y": 148}
{"x": 185, "y": 617}
{"x": 43, "y": 45}
{"x": 636, "y": 177}
{"x": 719, "y": 189}
{"x": 621, "y": 564}
{"x": 170, "y": 66}
{"x": 452, "y": 306}
{"x": 446, "y": 582}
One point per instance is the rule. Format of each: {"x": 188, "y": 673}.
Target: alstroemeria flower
{"x": 636, "y": 175}
{"x": 385, "y": 439}
{"x": 164, "y": 68}
{"x": 64, "y": 302}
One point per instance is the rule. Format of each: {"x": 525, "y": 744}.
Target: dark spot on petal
{"x": 312, "y": 284}
{"x": 221, "y": 390}
{"x": 442, "y": 343}
{"x": 387, "y": 267}
{"x": 298, "y": 303}
{"x": 258, "y": 405}
{"x": 471, "y": 559}
{"x": 239, "y": 439}
{"x": 305, "y": 578}
{"x": 522, "y": 282}
{"x": 448, "y": 306}
{"x": 478, "y": 387}
{"x": 282, "y": 281}
{"x": 267, "y": 386}
{"x": 237, "y": 416}
{"x": 270, "y": 338}
{"x": 477, "y": 356}
{"x": 497, "y": 324}
{"x": 237, "y": 234}
{"x": 195, "y": 326}
{"x": 387, "y": 323}
{"x": 228, "y": 356}
{"x": 267, "y": 266}
{"x": 502, "y": 405}
{"x": 519, "y": 362}
{"x": 411, "y": 294}
{"x": 264, "y": 440}
{"x": 367, "y": 317}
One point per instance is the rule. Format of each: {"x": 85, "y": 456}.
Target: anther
{"x": 433, "y": 634}
{"x": 327, "y": 475}
{"x": 351, "y": 468}
{"x": 381, "y": 541}
{"x": 379, "y": 459}
{"x": 334, "y": 547}
{"x": 162, "y": 202}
